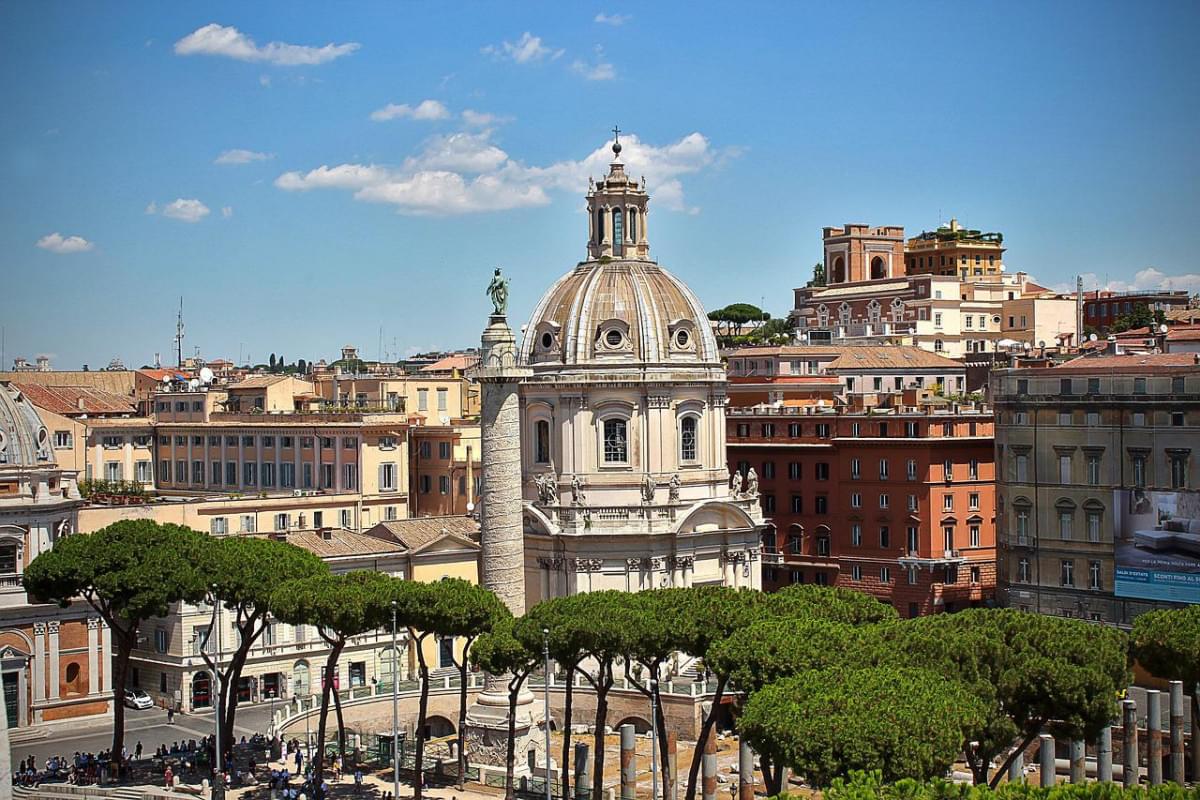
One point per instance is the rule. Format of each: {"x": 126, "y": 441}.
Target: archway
{"x": 878, "y": 268}
{"x": 437, "y": 727}
{"x": 838, "y": 274}
{"x": 639, "y": 725}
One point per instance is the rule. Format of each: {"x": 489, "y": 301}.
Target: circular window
{"x": 613, "y": 338}
{"x": 681, "y": 339}
{"x": 996, "y": 320}
{"x": 547, "y": 340}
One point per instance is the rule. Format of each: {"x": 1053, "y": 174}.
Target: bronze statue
{"x": 497, "y": 290}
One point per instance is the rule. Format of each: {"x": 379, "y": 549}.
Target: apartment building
{"x": 1102, "y": 307}
{"x": 800, "y": 374}
{"x": 956, "y": 251}
{"x": 288, "y": 660}
{"x": 446, "y": 469}
{"x": 896, "y": 502}
{"x": 1098, "y": 508}
{"x": 434, "y": 397}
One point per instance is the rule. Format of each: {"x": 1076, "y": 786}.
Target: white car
{"x": 137, "y": 698}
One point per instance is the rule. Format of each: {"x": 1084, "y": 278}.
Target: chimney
{"x": 327, "y": 534}
{"x": 80, "y": 404}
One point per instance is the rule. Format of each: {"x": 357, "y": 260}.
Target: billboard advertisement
{"x": 1157, "y": 540}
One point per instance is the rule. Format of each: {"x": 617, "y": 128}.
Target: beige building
{"x": 432, "y": 397}
{"x": 1096, "y": 485}
{"x": 288, "y": 660}
{"x": 955, "y": 251}
{"x": 446, "y": 469}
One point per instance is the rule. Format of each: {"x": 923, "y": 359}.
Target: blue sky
{"x": 307, "y": 174}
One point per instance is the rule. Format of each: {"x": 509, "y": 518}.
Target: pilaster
{"x": 52, "y": 628}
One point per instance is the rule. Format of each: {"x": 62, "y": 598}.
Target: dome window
{"x": 682, "y": 338}
{"x": 547, "y": 340}
{"x": 613, "y": 338}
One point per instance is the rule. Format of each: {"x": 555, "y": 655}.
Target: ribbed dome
{"x": 24, "y": 440}
{"x": 610, "y": 312}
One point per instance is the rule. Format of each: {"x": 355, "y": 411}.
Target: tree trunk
{"x": 318, "y": 761}
{"x": 124, "y": 641}
{"x": 772, "y": 775}
{"x": 663, "y": 745}
{"x": 1003, "y": 769}
{"x": 602, "y": 686}
{"x": 423, "y": 710}
{"x": 510, "y": 756}
{"x": 568, "y": 697}
{"x": 705, "y": 731}
{"x": 462, "y": 716}
{"x": 233, "y": 676}
{"x": 337, "y": 710}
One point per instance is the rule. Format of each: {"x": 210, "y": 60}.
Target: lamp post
{"x": 546, "y": 688}
{"x": 395, "y": 712}
{"x": 215, "y": 636}
{"x": 654, "y": 735}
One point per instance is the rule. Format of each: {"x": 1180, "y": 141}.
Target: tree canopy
{"x": 1167, "y": 643}
{"x": 906, "y": 723}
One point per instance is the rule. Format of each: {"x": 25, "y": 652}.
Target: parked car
{"x": 137, "y": 698}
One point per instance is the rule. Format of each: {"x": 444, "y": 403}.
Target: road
{"x": 149, "y": 727}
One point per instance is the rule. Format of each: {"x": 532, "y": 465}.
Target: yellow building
{"x": 445, "y": 468}
{"x": 955, "y": 251}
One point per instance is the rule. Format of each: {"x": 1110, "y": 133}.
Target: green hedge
{"x": 870, "y": 786}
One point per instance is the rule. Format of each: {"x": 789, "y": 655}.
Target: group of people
{"x": 82, "y": 768}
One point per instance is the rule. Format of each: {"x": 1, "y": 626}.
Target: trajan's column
{"x": 503, "y": 553}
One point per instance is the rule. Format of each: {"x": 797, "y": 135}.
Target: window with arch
{"x": 541, "y": 443}
{"x": 897, "y": 310}
{"x": 839, "y": 270}
{"x": 878, "y": 268}
{"x": 633, "y": 225}
{"x": 599, "y": 226}
{"x": 618, "y": 242}
{"x": 844, "y": 313}
{"x": 689, "y": 448}
{"x": 301, "y": 682}
{"x": 616, "y": 441}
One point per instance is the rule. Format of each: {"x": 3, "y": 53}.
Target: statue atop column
{"x": 497, "y": 290}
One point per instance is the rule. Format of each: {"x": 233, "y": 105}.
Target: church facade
{"x": 622, "y": 417}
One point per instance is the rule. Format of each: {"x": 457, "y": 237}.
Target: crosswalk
{"x": 54, "y": 792}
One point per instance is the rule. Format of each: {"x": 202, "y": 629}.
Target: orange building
{"x": 955, "y": 251}
{"x": 899, "y": 504}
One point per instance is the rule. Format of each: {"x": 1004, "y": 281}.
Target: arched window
{"x": 616, "y": 441}
{"x": 688, "y": 445}
{"x": 541, "y": 453}
{"x": 633, "y": 225}
{"x": 599, "y": 226}
{"x": 839, "y": 270}
{"x": 618, "y": 242}
{"x": 878, "y": 268}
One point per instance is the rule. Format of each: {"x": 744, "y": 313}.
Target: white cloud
{"x": 528, "y": 48}
{"x": 468, "y": 173}
{"x": 1144, "y": 279}
{"x": 427, "y": 110}
{"x": 599, "y": 70}
{"x": 239, "y": 156}
{"x": 264, "y": 81}
{"x": 57, "y": 243}
{"x": 228, "y": 41}
{"x": 227, "y": 211}
{"x": 151, "y": 207}
{"x": 185, "y": 210}
{"x": 616, "y": 20}
{"x": 481, "y": 119}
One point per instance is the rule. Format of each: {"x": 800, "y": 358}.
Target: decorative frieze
{"x": 587, "y": 564}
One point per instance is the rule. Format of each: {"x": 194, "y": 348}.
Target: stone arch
{"x": 878, "y": 268}
{"x": 712, "y": 515}
{"x": 437, "y": 726}
{"x": 838, "y": 273}
{"x": 640, "y": 724}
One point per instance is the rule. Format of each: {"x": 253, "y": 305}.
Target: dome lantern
{"x": 617, "y": 206}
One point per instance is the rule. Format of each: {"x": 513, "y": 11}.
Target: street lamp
{"x": 546, "y": 688}
{"x": 218, "y": 783}
{"x": 395, "y": 712}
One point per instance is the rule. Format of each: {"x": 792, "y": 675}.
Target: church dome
{"x": 24, "y": 440}
{"x": 609, "y": 312}
{"x": 619, "y": 306}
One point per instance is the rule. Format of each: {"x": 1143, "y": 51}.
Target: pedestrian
{"x": 169, "y": 778}
{"x": 137, "y": 751}
{"x": 358, "y": 779}
{"x": 171, "y": 715}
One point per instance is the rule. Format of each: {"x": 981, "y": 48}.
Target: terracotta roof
{"x": 341, "y": 543}
{"x": 74, "y": 400}
{"x": 890, "y": 357}
{"x": 258, "y": 382}
{"x": 1145, "y": 362}
{"x": 121, "y": 382}
{"x": 1183, "y": 315}
{"x": 789, "y": 380}
{"x": 417, "y": 532}
{"x": 1189, "y": 334}
{"x": 460, "y": 361}
{"x": 159, "y": 374}
{"x": 1030, "y": 286}
{"x": 786, "y": 350}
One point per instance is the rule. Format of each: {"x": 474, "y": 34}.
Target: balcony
{"x": 913, "y": 558}
{"x": 772, "y": 559}
{"x": 646, "y": 518}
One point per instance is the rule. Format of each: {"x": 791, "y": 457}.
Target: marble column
{"x": 1104, "y": 756}
{"x": 1177, "y": 755}
{"x": 1129, "y": 754}
{"x": 1016, "y": 769}
{"x": 708, "y": 768}
{"x": 745, "y": 771}
{"x": 628, "y": 762}
{"x": 106, "y": 651}
{"x": 52, "y": 627}
{"x": 583, "y": 771}
{"x": 1046, "y": 759}
{"x": 1078, "y": 756}
{"x": 1154, "y": 736}
{"x": 502, "y": 544}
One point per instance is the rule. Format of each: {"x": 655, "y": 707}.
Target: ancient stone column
{"x": 1104, "y": 756}
{"x": 1154, "y": 736}
{"x": 708, "y": 769}
{"x": 1129, "y": 745}
{"x": 1046, "y": 759}
{"x": 745, "y": 771}
{"x": 628, "y": 762}
{"x": 672, "y": 766}
{"x": 1016, "y": 769}
{"x": 502, "y": 556}
{"x": 583, "y": 771}
{"x": 1177, "y": 758}
{"x": 1078, "y": 757}
{"x": 1195, "y": 736}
